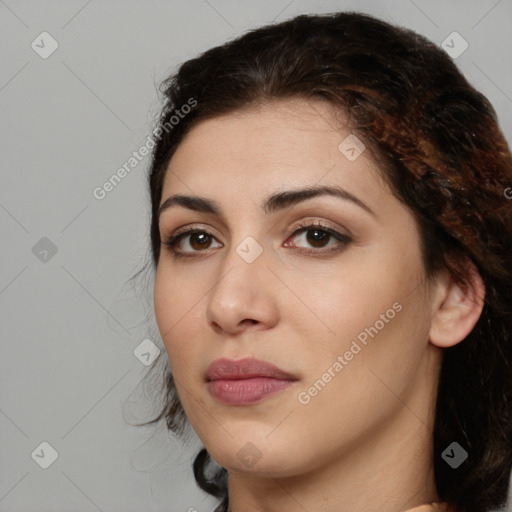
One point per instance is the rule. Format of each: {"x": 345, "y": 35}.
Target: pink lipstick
{"x": 245, "y": 381}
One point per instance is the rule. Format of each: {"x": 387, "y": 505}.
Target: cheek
{"x": 173, "y": 296}
{"x": 179, "y": 304}
{"x": 347, "y": 301}
{"x": 163, "y": 303}
{"x": 170, "y": 307}
{"x": 379, "y": 308}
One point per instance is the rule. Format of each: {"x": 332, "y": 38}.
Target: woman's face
{"x": 342, "y": 308}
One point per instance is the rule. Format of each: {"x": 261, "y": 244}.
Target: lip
{"x": 245, "y": 381}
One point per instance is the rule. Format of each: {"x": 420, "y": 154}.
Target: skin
{"x": 364, "y": 441}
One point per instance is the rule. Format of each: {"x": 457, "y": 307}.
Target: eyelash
{"x": 172, "y": 241}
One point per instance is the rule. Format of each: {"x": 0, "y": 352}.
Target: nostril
{"x": 217, "y": 328}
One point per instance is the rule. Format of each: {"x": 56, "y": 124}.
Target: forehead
{"x": 285, "y": 143}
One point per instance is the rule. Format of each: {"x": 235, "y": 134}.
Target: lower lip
{"x": 246, "y": 391}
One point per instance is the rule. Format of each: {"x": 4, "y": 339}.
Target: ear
{"x": 456, "y": 309}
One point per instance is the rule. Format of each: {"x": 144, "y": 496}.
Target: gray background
{"x": 70, "y": 322}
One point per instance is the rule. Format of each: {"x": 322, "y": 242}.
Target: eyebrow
{"x": 271, "y": 204}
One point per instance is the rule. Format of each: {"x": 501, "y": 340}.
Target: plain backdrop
{"x": 78, "y": 95}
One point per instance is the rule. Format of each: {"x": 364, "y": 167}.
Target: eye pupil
{"x": 204, "y": 240}
{"x": 318, "y": 237}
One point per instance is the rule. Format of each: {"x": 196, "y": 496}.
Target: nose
{"x": 242, "y": 298}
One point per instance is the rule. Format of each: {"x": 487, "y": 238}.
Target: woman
{"x": 331, "y": 238}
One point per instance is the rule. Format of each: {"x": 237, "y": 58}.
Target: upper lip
{"x": 246, "y": 368}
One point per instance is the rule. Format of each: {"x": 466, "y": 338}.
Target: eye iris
{"x": 203, "y": 239}
{"x": 318, "y": 237}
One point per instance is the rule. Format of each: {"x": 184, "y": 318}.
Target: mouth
{"x": 245, "y": 381}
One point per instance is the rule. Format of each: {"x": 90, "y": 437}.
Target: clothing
{"x": 432, "y": 507}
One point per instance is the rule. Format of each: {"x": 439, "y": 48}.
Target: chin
{"x": 257, "y": 457}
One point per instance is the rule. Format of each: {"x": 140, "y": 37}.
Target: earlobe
{"x": 457, "y": 308}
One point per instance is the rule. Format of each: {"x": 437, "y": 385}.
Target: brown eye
{"x": 198, "y": 240}
{"x": 319, "y": 236}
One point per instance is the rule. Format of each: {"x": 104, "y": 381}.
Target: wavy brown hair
{"x": 440, "y": 148}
